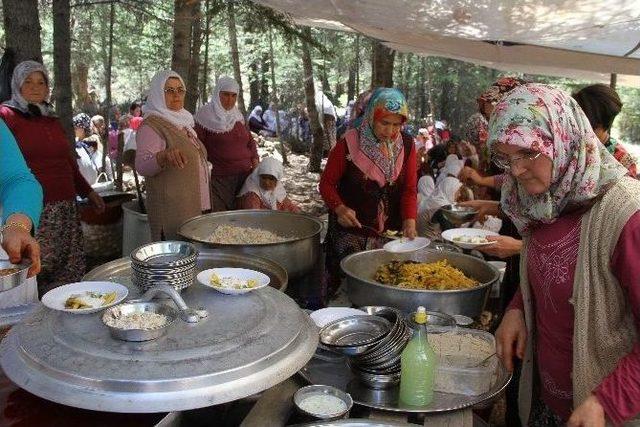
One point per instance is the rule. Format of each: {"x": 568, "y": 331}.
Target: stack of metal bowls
{"x": 354, "y": 335}
{"x": 170, "y": 263}
{"x": 379, "y": 367}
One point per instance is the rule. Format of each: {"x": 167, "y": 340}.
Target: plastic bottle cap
{"x": 421, "y": 315}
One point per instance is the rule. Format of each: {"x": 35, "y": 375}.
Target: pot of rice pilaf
{"x": 448, "y": 282}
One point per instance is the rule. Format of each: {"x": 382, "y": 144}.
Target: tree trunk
{"x": 357, "y": 66}
{"x": 382, "y": 66}
{"x": 185, "y": 13}
{"x": 254, "y": 84}
{"x": 274, "y": 98}
{"x": 62, "y": 65}
{"x": 191, "y": 98}
{"x": 235, "y": 56}
{"x": 22, "y": 29}
{"x": 264, "y": 79}
{"x": 319, "y": 137}
{"x": 204, "y": 91}
{"x": 422, "y": 87}
{"x": 351, "y": 82}
{"x": 105, "y": 142}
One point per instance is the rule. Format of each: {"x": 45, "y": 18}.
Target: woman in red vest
{"x": 369, "y": 182}
{"x": 46, "y": 150}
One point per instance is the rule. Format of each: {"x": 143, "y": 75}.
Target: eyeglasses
{"x": 175, "y": 90}
{"x": 506, "y": 163}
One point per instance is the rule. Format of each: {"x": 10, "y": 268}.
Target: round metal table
{"x": 247, "y": 344}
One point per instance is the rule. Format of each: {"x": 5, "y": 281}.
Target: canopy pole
{"x": 613, "y": 81}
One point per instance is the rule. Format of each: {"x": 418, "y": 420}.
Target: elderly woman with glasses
{"x": 575, "y": 320}
{"x": 171, "y": 158}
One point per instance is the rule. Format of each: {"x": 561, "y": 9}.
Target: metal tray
{"x": 337, "y": 373}
{"x": 247, "y": 344}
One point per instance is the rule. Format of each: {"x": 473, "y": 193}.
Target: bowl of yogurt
{"x": 323, "y": 402}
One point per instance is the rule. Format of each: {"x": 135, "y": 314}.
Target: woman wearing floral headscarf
{"x": 46, "y": 150}
{"x": 369, "y": 182}
{"x": 579, "y": 299}
{"x": 230, "y": 147}
{"x": 171, "y": 158}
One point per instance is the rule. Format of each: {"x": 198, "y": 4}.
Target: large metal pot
{"x": 362, "y": 289}
{"x": 298, "y": 255}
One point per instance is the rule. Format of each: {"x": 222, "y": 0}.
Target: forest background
{"x": 106, "y": 52}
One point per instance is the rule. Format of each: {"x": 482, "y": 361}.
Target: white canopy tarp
{"x": 584, "y": 39}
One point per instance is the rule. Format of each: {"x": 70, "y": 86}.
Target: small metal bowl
{"x": 435, "y": 321}
{"x": 444, "y": 247}
{"x": 138, "y": 335}
{"x": 458, "y": 215}
{"x": 313, "y": 390}
{"x": 354, "y": 331}
{"x": 165, "y": 254}
{"x": 10, "y": 281}
{"x": 375, "y": 380}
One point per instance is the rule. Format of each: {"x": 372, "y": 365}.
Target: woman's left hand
{"x": 409, "y": 228}
{"x": 97, "y": 202}
{"x": 589, "y": 414}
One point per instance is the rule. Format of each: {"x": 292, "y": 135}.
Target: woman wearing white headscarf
{"x": 426, "y": 187}
{"x": 256, "y": 124}
{"x": 449, "y": 191}
{"x": 230, "y": 147}
{"x": 45, "y": 148}
{"x": 171, "y": 158}
{"x": 263, "y": 189}
{"x": 452, "y": 167}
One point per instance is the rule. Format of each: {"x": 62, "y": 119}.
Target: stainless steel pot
{"x": 298, "y": 255}
{"x": 362, "y": 289}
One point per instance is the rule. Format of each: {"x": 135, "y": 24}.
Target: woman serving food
{"x": 369, "y": 183}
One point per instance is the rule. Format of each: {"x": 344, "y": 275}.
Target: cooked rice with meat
{"x": 233, "y": 235}
{"x": 435, "y": 276}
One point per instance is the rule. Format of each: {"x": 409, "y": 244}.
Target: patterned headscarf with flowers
{"x": 543, "y": 119}
{"x": 383, "y": 102}
{"x": 498, "y": 90}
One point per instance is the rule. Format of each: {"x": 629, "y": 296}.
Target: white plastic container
{"x": 459, "y": 375}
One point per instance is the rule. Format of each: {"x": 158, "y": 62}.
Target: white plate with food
{"x": 233, "y": 281}
{"x": 468, "y": 238}
{"x": 406, "y": 245}
{"x": 85, "y": 297}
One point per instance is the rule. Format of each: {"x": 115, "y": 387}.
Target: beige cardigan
{"x": 604, "y": 329}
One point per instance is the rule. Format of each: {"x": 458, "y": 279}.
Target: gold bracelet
{"x": 15, "y": 224}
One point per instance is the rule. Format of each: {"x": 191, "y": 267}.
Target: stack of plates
{"x": 379, "y": 366}
{"x": 170, "y": 263}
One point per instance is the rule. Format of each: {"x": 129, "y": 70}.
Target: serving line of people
{"x": 563, "y": 187}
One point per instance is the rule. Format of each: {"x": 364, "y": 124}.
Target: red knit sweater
{"x": 337, "y": 166}
{"x": 47, "y": 153}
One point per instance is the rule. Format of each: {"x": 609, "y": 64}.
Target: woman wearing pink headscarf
{"x": 578, "y": 308}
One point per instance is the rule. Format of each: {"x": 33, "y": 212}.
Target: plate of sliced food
{"x": 469, "y": 238}
{"x": 85, "y": 297}
{"x": 233, "y": 281}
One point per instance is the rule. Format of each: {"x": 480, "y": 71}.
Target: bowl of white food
{"x": 323, "y": 402}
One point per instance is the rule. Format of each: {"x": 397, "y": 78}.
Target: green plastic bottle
{"x": 418, "y": 366}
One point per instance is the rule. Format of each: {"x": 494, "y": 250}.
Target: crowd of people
{"x": 541, "y": 168}
{"x": 539, "y": 165}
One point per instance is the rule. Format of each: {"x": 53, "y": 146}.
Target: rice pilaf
{"x": 436, "y": 276}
